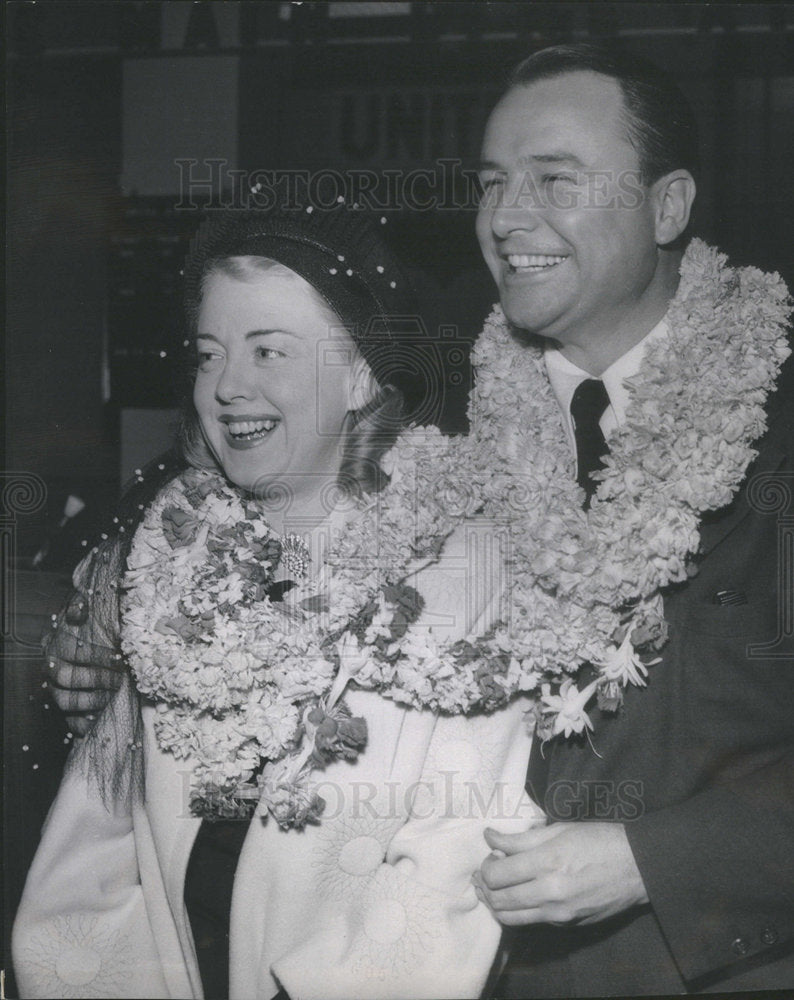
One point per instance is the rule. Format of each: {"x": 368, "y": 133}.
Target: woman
{"x": 262, "y": 787}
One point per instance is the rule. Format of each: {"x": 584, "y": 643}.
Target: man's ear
{"x": 673, "y": 196}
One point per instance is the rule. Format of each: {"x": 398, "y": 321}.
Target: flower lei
{"x": 239, "y": 678}
{"x": 586, "y": 585}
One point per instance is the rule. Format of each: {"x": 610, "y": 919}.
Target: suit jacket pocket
{"x": 755, "y": 620}
{"x": 731, "y": 691}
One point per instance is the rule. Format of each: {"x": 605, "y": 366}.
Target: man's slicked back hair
{"x": 659, "y": 120}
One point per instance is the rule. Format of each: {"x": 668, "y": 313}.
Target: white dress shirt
{"x": 565, "y": 376}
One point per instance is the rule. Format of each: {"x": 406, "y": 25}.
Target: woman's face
{"x": 272, "y": 385}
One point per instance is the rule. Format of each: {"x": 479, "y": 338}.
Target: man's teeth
{"x": 517, "y": 260}
{"x": 246, "y": 428}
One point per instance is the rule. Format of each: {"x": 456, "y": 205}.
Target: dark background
{"x": 104, "y": 97}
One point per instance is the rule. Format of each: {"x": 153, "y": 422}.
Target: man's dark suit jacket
{"x": 700, "y": 768}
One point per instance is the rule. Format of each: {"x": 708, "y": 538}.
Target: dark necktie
{"x": 587, "y": 407}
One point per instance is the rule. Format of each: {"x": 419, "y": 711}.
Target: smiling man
{"x": 580, "y": 252}
{"x": 666, "y": 864}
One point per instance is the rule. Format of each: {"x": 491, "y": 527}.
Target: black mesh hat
{"x": 343, "y": 255}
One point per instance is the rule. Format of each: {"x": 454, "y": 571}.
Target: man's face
{"x": 565, "y": 225}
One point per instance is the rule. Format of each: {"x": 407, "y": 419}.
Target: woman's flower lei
{"x": 250, "y": 687}
{"x": 587, "y": 585}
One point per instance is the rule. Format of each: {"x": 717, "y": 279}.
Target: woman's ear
{"x": 673, "y": 195}
{"x": 362, "y": 386}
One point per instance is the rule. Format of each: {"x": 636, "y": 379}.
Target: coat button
{"x": 769, "y": 935}
{"x": 740, "y": 946}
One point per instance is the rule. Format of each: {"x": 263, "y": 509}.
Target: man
{"x": 667, "y": 864}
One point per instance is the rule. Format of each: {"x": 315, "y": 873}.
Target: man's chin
{"x": 527, "y": 320}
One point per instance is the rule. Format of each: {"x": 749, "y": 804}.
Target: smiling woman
{"x": 300, "y": 830}
{"x": 274, "y": 382}
{"x": 287, "y": 335}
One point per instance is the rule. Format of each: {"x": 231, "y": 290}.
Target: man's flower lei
{"x": 587, "y": 585}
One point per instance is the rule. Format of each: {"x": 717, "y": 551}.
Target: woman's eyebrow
{"x": 265, "y": 332}
{"x": 251, "y": 334}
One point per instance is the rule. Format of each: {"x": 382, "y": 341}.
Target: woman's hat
{"x": 342, "y": 254}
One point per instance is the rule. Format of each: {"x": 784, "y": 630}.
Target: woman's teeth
{"x": 532, "y": 261}
{"x": 249, "y": 429}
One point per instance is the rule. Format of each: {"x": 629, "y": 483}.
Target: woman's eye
{"x": 206, "y": 359}
{"x": 269, "y": 353}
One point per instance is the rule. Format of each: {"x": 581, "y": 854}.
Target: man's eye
{"x": 489, "y": 183}
{"x": 557, "y": 178}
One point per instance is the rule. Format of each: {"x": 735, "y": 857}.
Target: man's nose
{"x": 517, "y": 207}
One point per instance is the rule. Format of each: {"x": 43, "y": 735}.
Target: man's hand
{"x": 559, "y": 874}
{"x": 82, "y": 671}
{"x": 83, "y": 648}
{"x": 81, "y": 692}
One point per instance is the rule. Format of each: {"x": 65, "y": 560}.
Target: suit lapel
{"x": 717, "y": 525}
{"x": 774, "y": 448}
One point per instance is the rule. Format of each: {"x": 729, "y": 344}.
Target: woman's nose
{"x": 235, "y": 381}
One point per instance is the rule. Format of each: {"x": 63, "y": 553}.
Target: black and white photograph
{"x": 398, "y": 501}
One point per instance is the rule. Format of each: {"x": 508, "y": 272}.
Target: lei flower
{"x": 249, "y": 687}
{"x": 252, "y": 689}
{"x": 587, "y": 585}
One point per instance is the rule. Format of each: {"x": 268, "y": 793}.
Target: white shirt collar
{"x": 566, "y": 376}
